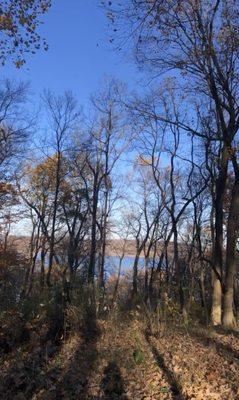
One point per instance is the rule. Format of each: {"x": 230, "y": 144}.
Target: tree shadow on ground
{"x": 56, "y": 378}
{"x": 174, "y": 384}
{"x": 22, "y": 374}
{"x": 76, "y": 381}
{"x": 207, "y": 341}
{"x": 226, "y": 332}
{"x": 112, "y": 383}
{"x": 30, "y": 357}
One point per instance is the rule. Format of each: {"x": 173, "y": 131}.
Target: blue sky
{"x": 79, "y": 54}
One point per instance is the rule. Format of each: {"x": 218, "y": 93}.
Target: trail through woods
{"x": 124, "y": 361}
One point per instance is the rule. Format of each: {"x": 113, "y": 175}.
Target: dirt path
{"x": 122, "y": 361}
{"x": 118, "y": 364}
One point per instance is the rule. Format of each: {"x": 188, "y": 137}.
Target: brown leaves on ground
{"x": 123, "y": 361}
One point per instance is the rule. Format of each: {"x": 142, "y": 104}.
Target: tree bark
{"x": 54, "y": 218}
{"x": 91, "y": 270}
{"x": 216, "y": 311}
{"x": 178, "y": 271}
{"x": 203, "y": 293}
{"x": 135, "y": 276}
{"x": 229, "y": 320}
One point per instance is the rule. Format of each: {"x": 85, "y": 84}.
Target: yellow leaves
{"x": 5, "y": 188}
{"x": 43, "y": 176}
{"x": 45, "y": 5}
{"x": 19, "y": 23}
{"x": 22, "y": 20}
{"x": 232, "y": 151}
{"x": 48, "y": 165}
{"x": 19, "y": 63}
{"x": 6, "y": 22}
{"x": 143, "y": 161}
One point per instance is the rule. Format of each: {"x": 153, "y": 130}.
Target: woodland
{"x": 150, "y": 176}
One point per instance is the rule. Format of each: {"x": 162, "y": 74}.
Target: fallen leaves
{"x": 122, "y": 363}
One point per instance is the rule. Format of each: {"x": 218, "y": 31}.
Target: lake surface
{"x": 112, "y": 264}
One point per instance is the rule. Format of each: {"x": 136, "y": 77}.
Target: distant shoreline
{"x": 114, "y": 247}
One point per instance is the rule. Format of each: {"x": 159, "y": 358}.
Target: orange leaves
{"x": 6, "y": 188}
{"x": 19, "y": 22}
{"x": 43, "y": 176}
{"x": 19, "y": 63}
{"x": 8, "y": 195}
{"x": 143, "y": 161}
{"x": 6, "y": 22}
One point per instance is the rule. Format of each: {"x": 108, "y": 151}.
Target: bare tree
{"x": 63, "y": 116}
{"x": 199, "y": 39}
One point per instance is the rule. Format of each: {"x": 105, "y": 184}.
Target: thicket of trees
{"x": 199, "y": 41}
{"x": 177, "y": 198}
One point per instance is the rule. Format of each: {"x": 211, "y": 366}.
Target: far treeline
{"x": 160, "y": 168}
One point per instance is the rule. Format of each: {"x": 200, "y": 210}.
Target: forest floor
{"x": 122, "y": 360}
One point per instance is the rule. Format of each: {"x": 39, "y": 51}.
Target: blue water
{"x": 112, "y": 264}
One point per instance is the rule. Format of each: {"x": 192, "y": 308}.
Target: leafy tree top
{"x": 19, "y": 23}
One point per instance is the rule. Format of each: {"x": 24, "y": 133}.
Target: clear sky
{"x": 79, "y": 54}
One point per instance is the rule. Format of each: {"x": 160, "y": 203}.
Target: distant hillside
{"x": 114, "y": 247}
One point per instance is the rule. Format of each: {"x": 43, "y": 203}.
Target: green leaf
{"x": 138, "y": 356}
{"x": 164, "y": 389}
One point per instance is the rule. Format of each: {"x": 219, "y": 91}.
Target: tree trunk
{"x": 229, "y": 320}
{"x": 146, "y": 280}
{"x": 43, "y": 255}
{"x": 203, "y": 293}
{"x": 54, "y": 217}
{"x": 115, "y": 293}
{"x": 236, "y": 299}
{"x": 216, "y": 312}
{"x": 91, "y": 270}
{"x": 71, "y": 255}
{"x": 178, "y": 271}
{"x": 103, "y": 249}
{"x": 135, "y": 276}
